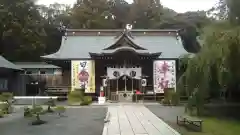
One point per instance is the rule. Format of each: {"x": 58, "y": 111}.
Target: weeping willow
{"x": 218, "y": 58}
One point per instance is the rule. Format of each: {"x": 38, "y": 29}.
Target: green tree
{"x": 21, "y": 30}
{"x": 216, "y": 62}
{"x": 91, "y": 14}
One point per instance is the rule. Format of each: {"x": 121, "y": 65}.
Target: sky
{"x": 179, "y": 6}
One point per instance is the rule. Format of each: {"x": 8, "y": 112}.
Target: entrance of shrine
{"x": 124, "y": 79}
{"x": 123, "y": 65}
{"x": 123, "y": 82}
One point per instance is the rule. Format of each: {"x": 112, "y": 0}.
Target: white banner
{"x": 164, "y": 75}
{"x": 83, "y": 74}
{"x": 115, "y": 73}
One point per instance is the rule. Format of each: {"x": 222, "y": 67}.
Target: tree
{"x": 226, "y": 10}
{"x": 215, "y": 63}
{"x": 21, "y": 30}
{"x": 29, "y": 31}
{"x": 56, "y": 18}
{"x": 145, "y": 14}
{"x": 91, "y": 14}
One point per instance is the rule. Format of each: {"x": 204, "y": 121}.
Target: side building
{"x": 121, "y": 61}
{"x": 39, "y": 76}
{"x": 10, "y": 80}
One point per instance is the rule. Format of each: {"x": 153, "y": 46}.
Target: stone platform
{"x": 135, "y": 120}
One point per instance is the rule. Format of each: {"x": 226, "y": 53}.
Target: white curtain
{"x": 124, "y": 71}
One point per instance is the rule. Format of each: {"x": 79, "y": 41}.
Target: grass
{"x": 213, "y": 126}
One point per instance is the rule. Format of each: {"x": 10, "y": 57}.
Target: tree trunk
{"x": 49, "y": 108}
{"x": 38, "y": 117}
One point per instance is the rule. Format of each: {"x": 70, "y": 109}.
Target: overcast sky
{"x": 177, "y": 5}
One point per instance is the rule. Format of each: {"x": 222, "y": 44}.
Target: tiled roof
{"x": 77, "y": 47}
{"x": 7, "y": 64}
{"x": 35, "y": 65}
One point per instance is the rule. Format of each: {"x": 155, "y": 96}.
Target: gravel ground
{"x": 169, "y": 115}
{"x": 166, "y": 113}
{"x": 78, "y": 121}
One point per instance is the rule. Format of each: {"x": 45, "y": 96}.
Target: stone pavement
{"x": 135, "y": 120}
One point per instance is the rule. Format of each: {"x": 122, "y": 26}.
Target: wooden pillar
{"x": 117, "y": 86}
{"x": 132, "y": 85}
{"x": 108, "y": 87}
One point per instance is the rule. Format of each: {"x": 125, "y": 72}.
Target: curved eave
{"x": 6, "y": 69}
{"x": 124, "y": 35}
{"x": 54, "y": 56}
{"x": 50, "y": 56}
{"x": 57, "y": 57}
{"x": 157, "y": 54}
{"x": 5, "y": 64}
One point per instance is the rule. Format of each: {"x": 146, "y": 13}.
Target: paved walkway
{"x": 135, "y": 120}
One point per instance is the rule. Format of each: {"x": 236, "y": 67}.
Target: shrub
{"x": 60, "y": 110}
{"x": 1, "y": 114}
{"x": 75, "y": 97}
{"x": 27, "y": 112}
{"x": 167, "y": 96}
{"x": 165, "y": 102}
{"x": 6, "y": 96}
{"x": 170, "y": 97}
{"x": 37, "y": 111}
{"x": 4, "y": 108}
{"x": 8, "y": 99}
{"x": 175, "y": 99}
{"x": 50, "y": 103}
{"x": 86, "y": 100}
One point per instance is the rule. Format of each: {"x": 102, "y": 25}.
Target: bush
{"x": 60, "y": 110}
{"x": 4, "y": 108}
{"x": 37, "y": 111}
{"x": 165, "y": 102}
{"x": 8, "y": 99}
{"x": 1, "y": 114}
{"x": 170, "y": 97}
{"x": 75, "y": 97}
{"x": 87, "y": 100}
{"x": 6, "y": 96}
{"x": 50, "y": 103}
{"x": 175, "y": 99}
{"x": 27, "y": 112}
{"x": 167, "y": 96}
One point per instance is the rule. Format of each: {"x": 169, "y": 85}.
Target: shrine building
{"x": 119, "y": 61}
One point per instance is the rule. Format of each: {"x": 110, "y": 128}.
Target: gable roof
{"x": 124, "y": 40}
{"x": 7, "y": 64}
{"x": 35, "y": 65}
{"x": 78, "y": 44}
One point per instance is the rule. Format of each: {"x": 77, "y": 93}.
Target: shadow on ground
{"x": 85, "y": 121}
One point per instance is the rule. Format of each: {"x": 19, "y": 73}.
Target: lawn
{"x": 213, "y": 126}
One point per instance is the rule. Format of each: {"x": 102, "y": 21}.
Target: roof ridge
{"x": 121, "y": 30}
{"x": 129, "y": 37}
